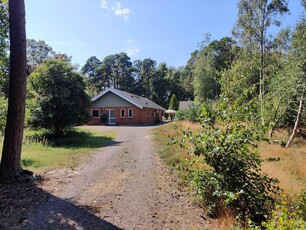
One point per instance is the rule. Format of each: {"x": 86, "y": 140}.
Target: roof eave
{"x": 118, "y": 94}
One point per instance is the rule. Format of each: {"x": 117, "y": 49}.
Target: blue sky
{"x": 164, "y": 30}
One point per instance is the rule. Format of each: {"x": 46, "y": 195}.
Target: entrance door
{"x": 111, "y": 119}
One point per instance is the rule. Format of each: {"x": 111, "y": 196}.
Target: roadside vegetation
{"x": 289, "y": 170}
{"x": 42, "y": 151}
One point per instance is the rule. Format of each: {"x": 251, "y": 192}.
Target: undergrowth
{"x": 289, "y": 170}
{"x": 43, "y": 151}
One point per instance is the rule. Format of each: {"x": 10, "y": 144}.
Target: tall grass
{"x": 290, "y": 170}
{"x": 42, "y": 151}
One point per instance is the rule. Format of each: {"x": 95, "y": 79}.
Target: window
{"x": 148, "y": 112}
{"x": 95, "y": 113}
{"x": 122, "y": 113}
{"x": 152, "y": 113}
{"x": 130, "y": 112}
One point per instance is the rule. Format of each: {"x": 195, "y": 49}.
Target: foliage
{"x": 4, "y": 29}
{"x": 288, "y": 86}
{"x": 90, "y": 67}
{"x": 41, "y": 150}
{"x": 142, "y": 77}
{"x": 173, "y": 102}
{"x": 192, "y": 113}
{"x": 37, "y": 52}
{"x": 4, "y": 62}
{"x": 233, "y": 176}
{"x": 104, "y": 118}
{"x": 255, "y": 17}
{"x": 58, "y": 97}
{"x": 3, "y": 113}
{"x": 211, "y": 61}
{"x": 114, "y": 71}
{"x": 288, "y": 217}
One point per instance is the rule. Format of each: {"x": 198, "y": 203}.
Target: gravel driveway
{"x": 121, "y": 186}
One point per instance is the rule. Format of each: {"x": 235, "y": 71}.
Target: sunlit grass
{"x": 290, "y": 170}
{"x": 65, "y": 152}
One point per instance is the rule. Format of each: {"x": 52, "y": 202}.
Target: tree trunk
{"x": 261, "y": 74}
{"x": 296, "y": 125}
{"x": 11, "y": 156}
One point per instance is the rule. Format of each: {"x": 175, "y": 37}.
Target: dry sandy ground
{"x": 122, "y": 186}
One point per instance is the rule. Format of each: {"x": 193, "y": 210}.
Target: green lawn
{"x": 66, "y": 152}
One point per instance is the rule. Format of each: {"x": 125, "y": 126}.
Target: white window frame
{"x": 121, "y": 113}
{"x": 98, "y": 113}
{"x": 130, "y": 109}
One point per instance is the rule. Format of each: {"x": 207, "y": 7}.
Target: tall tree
{"x": 114, "y": 71}
{"x": 174, "y": 84}
{"x": 11, "y": 156}
{"x": 187, "y": 76}
{"x": 254, "y": 19}
{"x": 37, "y": 52}
{"x": 90, "y": 67}
{"x": 90, "y": 71}
{"x": 122, "y": 76}
{"x": 211, "y": 62}
{"x": 147, "y": 75}
{"x": 159, "y": 86}
{"x": 298, "y": 69}
{"x": 59, "y": 98}
{"x": 4, "y": 39}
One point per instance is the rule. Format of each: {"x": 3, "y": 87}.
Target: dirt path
{"x": 122, "y": 186}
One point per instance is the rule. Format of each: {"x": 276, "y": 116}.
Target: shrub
{"x": 232, "y": 176}
{"x": 192, "y": 113}
{"x": 104, "y": 118}
{"x": 58, "y": 98}
{"x": 3, "y": 112}
{"x": 286, "y": 216}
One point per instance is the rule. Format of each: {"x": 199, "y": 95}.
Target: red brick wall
{"x": 140, "y": 117}
{"x": 94, "y": 121}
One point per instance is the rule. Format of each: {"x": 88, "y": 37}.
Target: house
{"x": 116, "y": 107}
{"x": 185, "y": 104}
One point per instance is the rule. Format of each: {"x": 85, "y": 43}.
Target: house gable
{"x": 110, "y": 99}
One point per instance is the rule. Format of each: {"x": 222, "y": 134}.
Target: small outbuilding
{"x": 116, "y": 107}
{"x": 185, "y": 104}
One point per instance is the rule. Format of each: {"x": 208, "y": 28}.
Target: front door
{"x": 111, "y": 119}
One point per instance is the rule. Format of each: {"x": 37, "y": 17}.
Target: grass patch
{"x": 290, "y": 170}
{"x": 42, "y": 151}
{"x": 172, "y": 154}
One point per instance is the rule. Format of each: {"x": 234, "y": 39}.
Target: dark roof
{"x": 134, "y": 99}
{"x": 185, "y": 104}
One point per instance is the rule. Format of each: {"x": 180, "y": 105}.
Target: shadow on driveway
{"x": 26, "y": 206}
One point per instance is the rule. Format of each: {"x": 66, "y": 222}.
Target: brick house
{"x": 122, "y": 108}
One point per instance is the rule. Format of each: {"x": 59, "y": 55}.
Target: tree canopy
{"x": 58, "y": 97}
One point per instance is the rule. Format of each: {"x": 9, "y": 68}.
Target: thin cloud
{"x": 104, "y": 4}
{"x": 131, "y": 48}
{"x": 116, "y": 8}
{"x": 61, "y": 43}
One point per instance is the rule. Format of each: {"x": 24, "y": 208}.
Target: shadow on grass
{"x": 28, "y": 162}
{"x": 72, "y": 139}
{"x": 25, "y": 206}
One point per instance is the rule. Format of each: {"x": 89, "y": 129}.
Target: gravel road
{"x": 122, "y": 186}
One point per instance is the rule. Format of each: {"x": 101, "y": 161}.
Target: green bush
{"x": 57, "y": 97}
{"x": 192, "y": 113}
{"x": 288, "y": 216}
{"x": 3, "y": 112}
{"x": 232, "y": 176}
